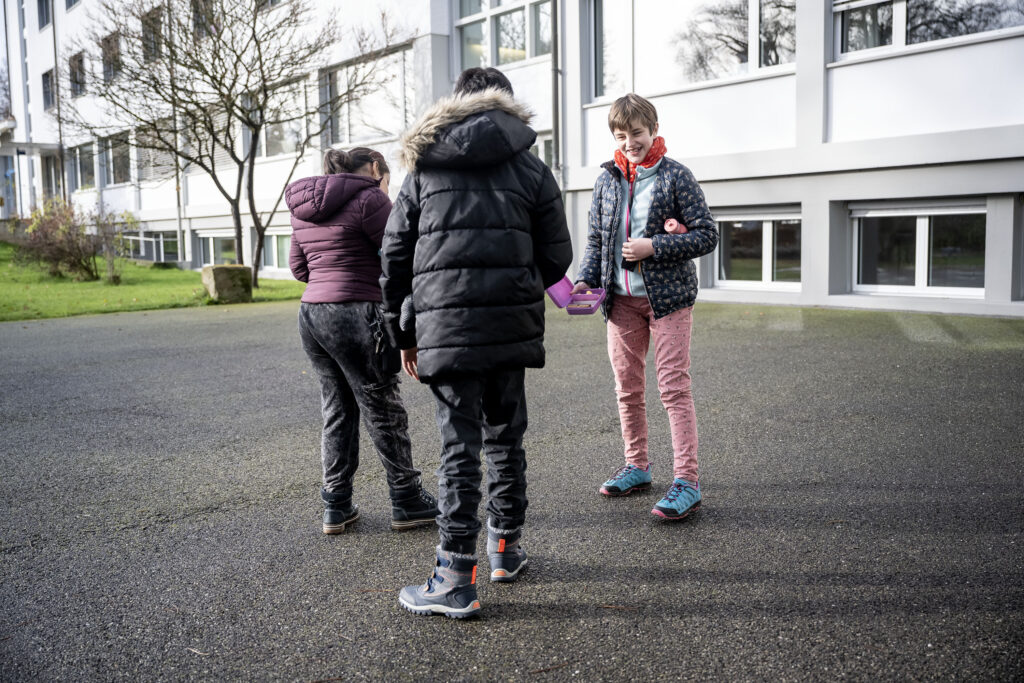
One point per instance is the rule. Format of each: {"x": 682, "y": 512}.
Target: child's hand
{"x": 409, "y": 357}
{"x": 674, "y": 226}
{"x": 580, "y": 287}
{"x": 638, "y": 249}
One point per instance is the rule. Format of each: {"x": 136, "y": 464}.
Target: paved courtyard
{"x": 863, "y": 511}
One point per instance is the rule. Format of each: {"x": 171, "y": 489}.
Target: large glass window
{"x": 759, "y": 250}
{"x": 275, "y": 251}
{"x": 381, "y": 113}
{"x": 156, "y": 160}
{"x": 468, "y": 7}
{"x": 510, "y": 29}
{"x": 43, "y": 9}
{"x": 923, "y": 250}
{"x": 935, "y": 19}
{"x": 51, "y": 176}
{"x": 216, "y": 251}
{"x": 613, "y": 57}
{"x": 285, "y": 127}
{"x": 956, "y": 251}
{"x": 867, "y": 27}
{"x": 652, "y": 46}
{"x": 82, "y": 164}
{"x": 117, "y": 158}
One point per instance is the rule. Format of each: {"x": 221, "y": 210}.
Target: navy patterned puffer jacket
{"x": 670, "y": 274}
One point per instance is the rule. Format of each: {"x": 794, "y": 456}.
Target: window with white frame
{"x": 543, "y": 148}
{"x": 49, "y": 90}
{"x": 501, "y": 32}
{"x": 70, "y": 3}
{"x": 867, "y": 24}
{"x": 760, "y": 248}
{"x": 81, "y": 168}
{"x": 380, "y": 114}
{"x": 153, "y": 35}
{"x": 217, "y": 250}
{"x": 51, "y": 176}
{"x": 117, "y": 160}
{"x": 156, "y": 160}
{"x": 653, "y": 46}
{"x": 934, "y": 249}
{"x": 276, "y": 249}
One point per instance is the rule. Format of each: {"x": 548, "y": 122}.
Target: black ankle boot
{"x": 339, "y": 512}
{"x": 412, "y": 509}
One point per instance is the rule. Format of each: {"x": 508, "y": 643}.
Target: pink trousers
{"x": 630, "y": 327}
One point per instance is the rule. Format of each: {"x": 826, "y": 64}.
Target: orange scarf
{"x": 654, "y": 155}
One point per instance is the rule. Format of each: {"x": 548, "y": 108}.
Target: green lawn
{"x": 29, "y": 293}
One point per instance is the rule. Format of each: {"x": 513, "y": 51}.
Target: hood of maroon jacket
{"x": 337, "y": 227}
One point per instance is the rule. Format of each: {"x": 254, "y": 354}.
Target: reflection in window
{"x": 511, "y": 30}
{"x": 740, "y": 250}
{"x": 956, "y": 246}
{"x": 82, "y": 166}
{"x": 713, "y": 41}
{"x": 51, "y": 176}
{"x": 472, "y": 38}
{"x": 786, "y": 239}
{"x": 936, "y": 19}
{"x": 887, "y": 250}
{"x": 541, "y": 18}
{"x": 612, "y": 47}
{"x": 284, "y": 121}
{"x": 76, "y": 74}
{"x": 284, "y": 245}
{"x": 867, "y": 27}
{"x": 118, "y": 165}
{"x": 777, "y": 32}
{"x": 381, "y": 113}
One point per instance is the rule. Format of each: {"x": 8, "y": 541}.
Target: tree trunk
{"x": 236, "y": 216}
{"x": 257, "y": 259}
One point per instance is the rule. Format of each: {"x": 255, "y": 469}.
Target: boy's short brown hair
{"x": 632, "y": 109}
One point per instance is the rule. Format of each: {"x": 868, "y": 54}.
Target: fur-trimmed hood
{"x": 479, "y": 129}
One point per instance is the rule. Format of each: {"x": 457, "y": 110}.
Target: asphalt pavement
{"x": 863, "y": 513}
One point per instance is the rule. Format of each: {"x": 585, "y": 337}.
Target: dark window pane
{"x": 778, "y": 32}
{"x": 887, "y": 250}
{"x": 957, "y": 251}
{"x": 741, "y": 250}
{"x": 867, "y": 27}
{"x": 935, "y": 19}
{"x": 467, "y": 7}
{"x": 86, "y": 170}
{"x": 787, "y": 251}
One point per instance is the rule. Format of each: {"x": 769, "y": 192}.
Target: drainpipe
{"x": 56, "y": 95}
{"x": 556, "y": 133}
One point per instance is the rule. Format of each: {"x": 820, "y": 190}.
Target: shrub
{"x": 68, "y": 242}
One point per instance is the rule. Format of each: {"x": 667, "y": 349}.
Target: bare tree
{"x": 937, "y": 19}
{"x": 5, "y": 93}
{"x": 201, "y": 83}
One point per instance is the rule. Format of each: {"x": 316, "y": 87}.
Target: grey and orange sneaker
{"x": 450, "y": 590}
{"x": 626, "y": 480}
{"x": 506, "y": 557}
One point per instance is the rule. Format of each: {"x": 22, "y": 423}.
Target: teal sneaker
{"x": 681, "y": 501}
{"x": 627, "y": 479}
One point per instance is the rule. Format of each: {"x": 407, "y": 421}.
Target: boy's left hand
{"x": 410, "y": 362}
{"x": 638, "y": 249}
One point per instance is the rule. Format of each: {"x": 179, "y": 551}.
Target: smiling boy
{"x": 652, "y": 285}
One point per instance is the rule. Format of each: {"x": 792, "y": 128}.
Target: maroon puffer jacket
{"x": 337, "y": 226}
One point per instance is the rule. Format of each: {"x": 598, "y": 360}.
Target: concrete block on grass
{"x": 228, "y": 284}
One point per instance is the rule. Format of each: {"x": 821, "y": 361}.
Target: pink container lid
{"x": 561, "y": 292}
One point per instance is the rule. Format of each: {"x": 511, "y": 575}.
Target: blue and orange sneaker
{"x": 681, "y": 501}
{"x": 626, "y": 480}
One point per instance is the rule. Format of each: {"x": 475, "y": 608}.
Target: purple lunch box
{"x": 583, "y": 303}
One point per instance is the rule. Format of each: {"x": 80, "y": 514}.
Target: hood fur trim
{"x": 449, "y": 110}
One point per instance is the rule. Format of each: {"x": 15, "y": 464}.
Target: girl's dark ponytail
{"x": 340, "y": 161}
{"x": 336, "y": 161}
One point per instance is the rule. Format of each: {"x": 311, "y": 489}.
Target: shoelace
{"x": 623, "y": 471}
{"x": 676, "y": 490}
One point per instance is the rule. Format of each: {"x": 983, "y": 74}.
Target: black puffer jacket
{"x": 477, "y": 233}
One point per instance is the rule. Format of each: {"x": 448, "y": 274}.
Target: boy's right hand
{"x": 580, "y": 287}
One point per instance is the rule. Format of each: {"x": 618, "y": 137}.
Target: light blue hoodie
{"x": 628, "y": 282}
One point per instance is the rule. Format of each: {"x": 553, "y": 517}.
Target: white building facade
{"x": 862, "y": 153}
